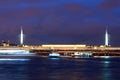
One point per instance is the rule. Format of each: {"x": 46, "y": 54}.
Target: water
{"x": 59, "y": 69}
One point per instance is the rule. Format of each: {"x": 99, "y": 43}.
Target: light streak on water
{"x": 106, "y": 62}
{"x": 10, "y": 59}
{"x": 14, "y": 60}
{"x": 54, "y": 58}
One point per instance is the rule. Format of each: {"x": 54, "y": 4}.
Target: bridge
{"x": 44, "y": 49}
{"x": 70, "y": 49}
{"x": 61, "y": 47}
{"x": 67, "y": 49}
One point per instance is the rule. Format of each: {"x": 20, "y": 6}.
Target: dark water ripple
{"x": 60, "y": 69}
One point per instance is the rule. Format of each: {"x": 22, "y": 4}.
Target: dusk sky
{"x": 60, "y": 21}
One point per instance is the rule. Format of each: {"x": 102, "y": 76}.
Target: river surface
{"x": 60, "y": 69}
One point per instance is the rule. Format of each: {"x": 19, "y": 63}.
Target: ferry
{"x": 82, "y": 55}
{"x": 54, "y": 55}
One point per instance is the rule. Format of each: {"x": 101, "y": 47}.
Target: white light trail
{"x": 21, "y": 36}
{"x": 106, "y": 39}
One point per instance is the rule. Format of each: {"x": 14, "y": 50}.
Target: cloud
{"x": 110, "y": 4}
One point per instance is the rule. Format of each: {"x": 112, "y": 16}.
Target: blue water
{"x": 60, "y": 69}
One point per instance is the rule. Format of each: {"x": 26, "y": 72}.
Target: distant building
{"x": 4, "y": 43}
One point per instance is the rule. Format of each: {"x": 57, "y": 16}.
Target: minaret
{"x": 21, "y": 36}
{"x": 106, "y": 38}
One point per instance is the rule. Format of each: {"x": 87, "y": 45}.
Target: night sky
{"x": 60, "y": 21}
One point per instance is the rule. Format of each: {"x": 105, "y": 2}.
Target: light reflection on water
{"x": 13, "y": 69}
{"x": 107, "y": 74}
{"x": 54, "y": 58}
{"x": 59, "y": 69}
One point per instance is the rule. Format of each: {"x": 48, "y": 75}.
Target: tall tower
{"x": 21, "y": 37}
{"x": 106, "y": 38}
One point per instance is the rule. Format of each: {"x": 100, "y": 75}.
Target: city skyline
{"x": 61, "y": 21}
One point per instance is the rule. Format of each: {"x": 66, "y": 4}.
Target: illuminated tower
{"x": 21, "y": 37}
{"x": 106, "y": 38}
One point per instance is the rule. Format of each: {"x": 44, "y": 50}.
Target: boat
{"x": 54, "y": 55}
{"x": 82, "y": 55}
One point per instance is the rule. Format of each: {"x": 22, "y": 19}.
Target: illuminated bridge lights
{"x": 63, "y": 46}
